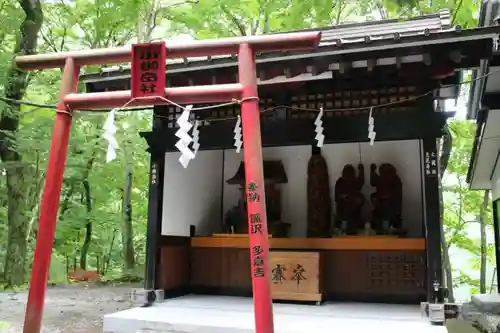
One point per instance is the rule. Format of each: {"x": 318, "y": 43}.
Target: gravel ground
{"x": 71, "y": 309}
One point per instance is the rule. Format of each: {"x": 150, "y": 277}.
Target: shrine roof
{"x": 383, "y": 40}
{"x": 483, "y": 106}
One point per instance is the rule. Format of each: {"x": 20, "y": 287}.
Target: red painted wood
{"x": 256, "y": 198}
{"x": 50, "y": 203}
{"x": 294, "y": 41}
{"x": 147, "y": 76}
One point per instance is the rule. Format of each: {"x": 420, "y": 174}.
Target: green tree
{"x": 465, "y": 209}
{"x": 223, "y": 18}
{"x": 25, "y": 135}
{"x": 463, "y": 12}
{"x": 17, "y": 179}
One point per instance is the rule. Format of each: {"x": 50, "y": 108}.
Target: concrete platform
{"x": 219, "y": 314}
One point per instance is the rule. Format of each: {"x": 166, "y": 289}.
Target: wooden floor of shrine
{"x": 222, "y": 314}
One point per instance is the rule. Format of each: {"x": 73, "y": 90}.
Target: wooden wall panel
{"x": 354, "y": 275}
{"x": 344, "y": 271}
{"x": 223, "y": 268}
{"x": 174, "y": 263}
{"x": 374, "y": 273}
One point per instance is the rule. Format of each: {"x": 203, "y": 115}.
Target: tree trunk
{"x": 88, "y": 204}
{"x": 446, "y": 257}
{"x": 484, "y": 245}
{"x": 443, "y": 164}
{"x": 147, "y": 21}
{"x": 64, "y": 207}
{"x": 107, "y": 257}
{"x": 88, "y": 227}
{"x": 15, "y": 87}
{"x": 67, "y": 197}
{"x": 36, "y": 198}
{"x": 127, "y": 229}
{"x": 35, "y": 211}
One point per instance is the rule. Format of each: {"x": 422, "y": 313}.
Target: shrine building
{"x": 353, "y": 219}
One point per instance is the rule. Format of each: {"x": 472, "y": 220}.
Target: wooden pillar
{"x": 431, "y": 188}
{"x": 496, "y": 229}
{"x": 254, "y": 185}
{"x": 155, "y": 207}
{"x": 50, "y": 201}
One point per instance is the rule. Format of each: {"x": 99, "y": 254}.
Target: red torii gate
{"x": 245, "y": 90}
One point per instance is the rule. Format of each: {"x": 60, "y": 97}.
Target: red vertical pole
{"x": 50, "y": 202}
{"x": 256, "y": 199}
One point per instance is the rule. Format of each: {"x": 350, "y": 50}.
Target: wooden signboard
{"x": 296, "y": 276}
{"x": 148, "y": 69}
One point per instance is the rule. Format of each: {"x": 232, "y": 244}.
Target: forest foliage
{"x": 93, "y": 229}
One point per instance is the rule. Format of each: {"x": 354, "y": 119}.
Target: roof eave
{"x": 330, "y": 50}
{"x": 487, "y": 14}
{"x": 481, "y": 118}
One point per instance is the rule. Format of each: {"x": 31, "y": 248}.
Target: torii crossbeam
{"x": 245, "y": 90}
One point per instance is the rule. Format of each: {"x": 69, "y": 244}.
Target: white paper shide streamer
{"x": 184, "y": 139}
{"x": 196, "y": 137}
{"x": 237, "y": 135}
{"x": 371, "y": 126}
{"x": 109, "y": 135}
{"x": 320, "y": 137}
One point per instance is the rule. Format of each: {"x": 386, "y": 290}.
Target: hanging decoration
{"x": 237, "y": 135}
{"x": 184, "y": 139}
{"x": 109, "y": 134}
{"x": 320, "y": 137}
{"x": 371, "y": 126}
{"x": 196, "y": 137}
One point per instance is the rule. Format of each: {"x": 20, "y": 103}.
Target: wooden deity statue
{"x": 387, "y": 199}
{"x": 235, "y": 221}
{"x": 367, "y": 230}
{"x": 319, "y": 202}
{"x": 349, "y": 200}
{"x": 236, "y": 218}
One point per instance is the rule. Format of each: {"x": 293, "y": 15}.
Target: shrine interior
{"x": 204, "y": 195}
